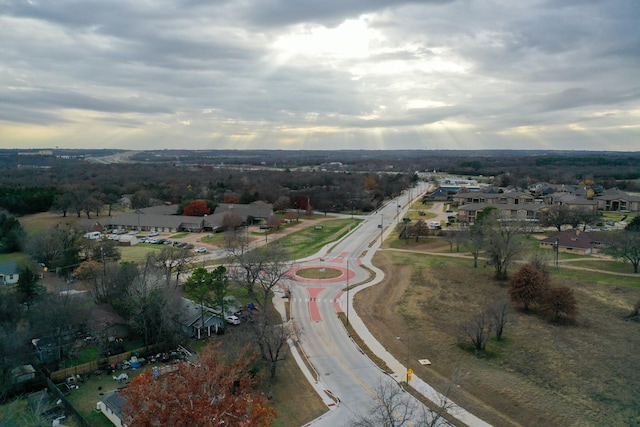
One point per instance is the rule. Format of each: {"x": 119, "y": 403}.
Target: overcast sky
{"x": 320, "y": 74}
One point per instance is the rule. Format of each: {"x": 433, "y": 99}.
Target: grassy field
{"x": 582, "y": 373}
{"x": 308, "y": 241}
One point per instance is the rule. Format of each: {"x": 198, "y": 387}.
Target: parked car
{"x": 153, "y": 233}
{"x": 233, "y": 319}
{"x": 201, "y": 249}
{"x": 188, "y": 246}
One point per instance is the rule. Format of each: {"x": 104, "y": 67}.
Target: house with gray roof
{"x": 258, "y": 210}
{"x": 9, "y": 273}
{"x": 111, "y": 405}
{"x": 572, "y": 201}
{"x": 617, "y": 200}
{"x": 573, "y": 242}
{"x": 198, "y": 323}
{"x": 164, "y": 219}
{"x": 493, "y": 197}
{"x": 467, "y": 214}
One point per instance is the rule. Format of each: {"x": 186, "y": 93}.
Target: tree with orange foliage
{"x": 528, "y": 287}
{"x": 370, "y": 183}
{"x": 230, "y": 198}
{"x": 560, "y": 302}
{"x": 197, "y": 208}
{"x": 213, "y": 391}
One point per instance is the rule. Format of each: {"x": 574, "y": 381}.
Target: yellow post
{"x": 409, "y": 374}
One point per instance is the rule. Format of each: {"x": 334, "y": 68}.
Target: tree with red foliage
{"x": 210, "y": 392}
{"x": 231, "y": 198}
{"x": 560, "y": 302}
{"x": 527, "y": 287}
{"x": 308, "y": 209}
{"x": 197, "y": 208}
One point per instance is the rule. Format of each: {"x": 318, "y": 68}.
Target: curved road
{"x": 342, "y": 369}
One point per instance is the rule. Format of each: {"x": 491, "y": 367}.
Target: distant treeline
{"x": 68, "y": 180}
{"x": 27, "y": 200}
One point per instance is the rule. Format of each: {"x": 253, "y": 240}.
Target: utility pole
{"x": 381, "y": 228}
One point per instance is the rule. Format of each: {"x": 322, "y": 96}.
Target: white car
{"x": 200, "y": 249}
{"x": 232, "y": 319}
{"x": 153, "y": 233}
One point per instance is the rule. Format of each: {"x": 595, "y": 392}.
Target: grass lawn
{"x": 138, "y": 253}
{"x": 85, "y": 398}
{"x": 616, "y": 216}
{"x": 18, "y": 257}
{"x": 308, "y": 241}
{"x": 45, "y": 221}
{"x": 543, "y": 373}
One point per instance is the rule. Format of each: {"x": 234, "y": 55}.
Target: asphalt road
{"x": 342, "y": 368}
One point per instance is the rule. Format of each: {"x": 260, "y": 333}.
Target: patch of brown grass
{"x": 46, "y": 221}
{"x": 580, "y": 373}
{"x": 319, "y": 273}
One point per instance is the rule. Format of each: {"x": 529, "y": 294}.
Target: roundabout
{"x": 321, "y": 274}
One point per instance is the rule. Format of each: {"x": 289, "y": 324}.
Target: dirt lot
{"x": 543, "y": 374}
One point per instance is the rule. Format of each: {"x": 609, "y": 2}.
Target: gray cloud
{"x": 308, "y": 74}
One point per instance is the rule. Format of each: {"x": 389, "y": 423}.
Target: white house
{"x": 9, "y": 273}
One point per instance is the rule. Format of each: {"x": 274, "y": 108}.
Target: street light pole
{"x": 347, "y": 291}
{"x": 381, "y": 228}
{"x": 556, "y": 246}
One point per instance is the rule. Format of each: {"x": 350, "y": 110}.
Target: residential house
{"x": 258, "y": 210}
{"x": 572, "y": 201}
{"x": 617, "y": 200}
{"x": 493, "y": 197}
{"x": 467, "y": 214}
{"x": 111, "y": 405}
{"x": 573, "y": 242}
{"x": 440, "y": 194}
{"x": 9, "y": 273}
{"x": 198, "y": 323}
{"x": 163, "y": 218}
{"x": 541, "y": 189}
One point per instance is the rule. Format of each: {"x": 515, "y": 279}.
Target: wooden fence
{"x": 90, "y": 367}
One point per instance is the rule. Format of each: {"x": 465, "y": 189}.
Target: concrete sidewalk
{"x": 399, "y": 370}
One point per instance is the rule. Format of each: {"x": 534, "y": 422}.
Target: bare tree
{"x": 171, "y": 260}
{"x": 394, "y": 407}
{"x": 625, "y": 245}
{"x": 541, "y": 261}
{"x": 260, "y": 270}
{"x": 151, "y": 305}
{"x": 272, "y": 336}
{"x": 475, "y": 243}
{"x": 499, "y": 315}
{"x": 556, "y": 216}
{"x": 503, "y": 246}
{"x": 478, "y": 330}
